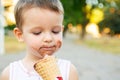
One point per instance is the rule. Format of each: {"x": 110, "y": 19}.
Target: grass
{"x": 12, "y": 45}
{"x": 107, "y": 44}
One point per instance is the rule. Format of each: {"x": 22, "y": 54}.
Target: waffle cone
{"x": 47, "y": 68}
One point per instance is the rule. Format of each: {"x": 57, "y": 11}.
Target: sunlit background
{"x": 91, "y": 35}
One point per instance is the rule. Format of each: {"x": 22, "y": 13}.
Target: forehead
{"x": 38, "y": 16}
{"x": 40, "y": 11}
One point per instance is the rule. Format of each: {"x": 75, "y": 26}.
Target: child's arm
{"x": 5, "y": 74}
{"x": 73, "y": 73}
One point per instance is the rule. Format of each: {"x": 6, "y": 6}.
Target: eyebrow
{"x": 57, "y": 26}
{"x": 41, "y": 27}
{"x": 37, "y": 27}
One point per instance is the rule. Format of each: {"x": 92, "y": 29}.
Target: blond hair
{"x": 23, "y": 5}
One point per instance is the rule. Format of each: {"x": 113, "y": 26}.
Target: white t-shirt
{"x": 19, "y": 72}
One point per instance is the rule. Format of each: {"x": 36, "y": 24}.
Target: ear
{"x": 18, "y": 33}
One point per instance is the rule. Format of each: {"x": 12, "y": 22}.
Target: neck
{"x": 29, "y": 61}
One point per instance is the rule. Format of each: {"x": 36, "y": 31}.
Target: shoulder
{"x": 5, "y": 74}
{"x": 73, "y": 75}
{"x": 70, "y": 68}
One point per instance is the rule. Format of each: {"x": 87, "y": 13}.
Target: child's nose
{"x": 48, "y": 37}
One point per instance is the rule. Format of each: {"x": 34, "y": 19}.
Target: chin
{"x": 48, "y": 53}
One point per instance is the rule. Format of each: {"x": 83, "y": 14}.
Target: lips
{"x": 48, "y": 48}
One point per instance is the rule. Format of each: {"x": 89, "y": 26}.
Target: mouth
{"x": 48, "y": 48}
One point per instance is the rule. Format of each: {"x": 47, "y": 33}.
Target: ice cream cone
{"x": 47, "y": 68}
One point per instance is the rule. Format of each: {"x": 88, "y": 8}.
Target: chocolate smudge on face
{"x": 59, "y": 44}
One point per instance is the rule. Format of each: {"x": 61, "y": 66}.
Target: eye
{"x": 55, "y": 32}
{"x": 36, "y": 33}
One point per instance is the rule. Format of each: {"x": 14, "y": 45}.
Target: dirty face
{"x": 42, "y": 31}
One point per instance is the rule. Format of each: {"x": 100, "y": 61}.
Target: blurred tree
{"x": 112, "y": 16}
{"x": 75, "y": 13}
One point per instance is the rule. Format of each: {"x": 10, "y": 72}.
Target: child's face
{"x": 42, "y": 31}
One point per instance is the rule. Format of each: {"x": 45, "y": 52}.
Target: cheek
{"x": 31, "y": 42}
{"x": 59, "y": 43}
